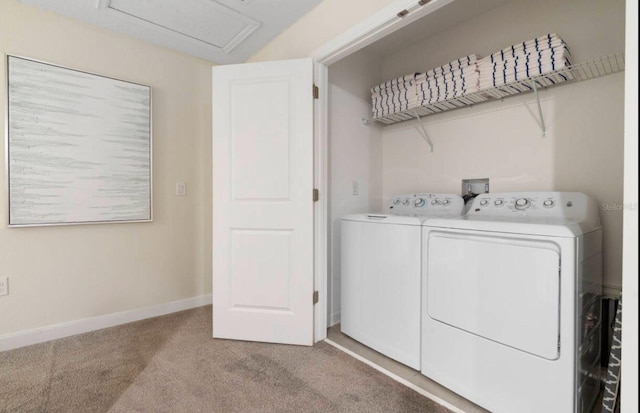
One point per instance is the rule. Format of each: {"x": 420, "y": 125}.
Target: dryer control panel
{"x": 574, "y": 206}
{"x": 427, "y": 204}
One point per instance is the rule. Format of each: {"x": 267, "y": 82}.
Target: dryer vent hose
{"x": 469, "y": 196}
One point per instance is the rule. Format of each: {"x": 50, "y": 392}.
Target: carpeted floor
{"x": 171, "y": 364}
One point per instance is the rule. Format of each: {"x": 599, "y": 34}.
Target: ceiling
{"x": 222, "y": 31}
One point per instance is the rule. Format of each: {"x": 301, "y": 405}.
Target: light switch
{"x": 355, "y": 188}
{"x": 181, "y": 189}
{"x": 4, "y": 285}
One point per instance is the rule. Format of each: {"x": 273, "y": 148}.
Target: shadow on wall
{"x": 589, "y": 156}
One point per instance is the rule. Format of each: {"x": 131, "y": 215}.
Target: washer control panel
{"x": 542, "y": 204}
{"x": 427, "y": 204}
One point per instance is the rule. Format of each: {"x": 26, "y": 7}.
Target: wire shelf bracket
{"x": 540, "y": 120}
{"x": 422, "y": 131}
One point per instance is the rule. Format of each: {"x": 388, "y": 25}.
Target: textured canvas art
{"x": 79, "y": 146}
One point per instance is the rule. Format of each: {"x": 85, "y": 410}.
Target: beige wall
{"x": 583, "y": 150}
{"x": 60, "y": 274}
{"x": 326, "y": 21}
{"x": 64, "y": 273}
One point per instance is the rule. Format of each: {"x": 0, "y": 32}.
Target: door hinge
{"x": 316, "y": 297}
{"x": 423, "y": 2}
{"x": 316, "y": 195}
{"x": 316, "y": 92}
{"x": 403, "y": 13}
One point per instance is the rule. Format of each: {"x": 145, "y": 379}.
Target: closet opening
{"x": 366, "y": 163}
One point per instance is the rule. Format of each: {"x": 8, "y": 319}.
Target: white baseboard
{"x": 70, "y": 328}
{"x": 334, "y": 319}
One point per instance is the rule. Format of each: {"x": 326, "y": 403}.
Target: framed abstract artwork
{"x": 78, "y": 147}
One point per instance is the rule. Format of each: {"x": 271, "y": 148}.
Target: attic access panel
{"x": 202, "y": 20}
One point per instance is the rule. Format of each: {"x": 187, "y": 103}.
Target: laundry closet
{"x": 572, "y": 141}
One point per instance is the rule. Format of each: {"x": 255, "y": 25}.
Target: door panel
{"x": 501, "y": 288}
{"x": 262, "y": 202}
{"x": 258, "y": 129}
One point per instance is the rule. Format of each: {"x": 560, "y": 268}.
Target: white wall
{"x": 355, "y": 155}
{"x": 583, "y": 150}
{"x": 66, "y": 273}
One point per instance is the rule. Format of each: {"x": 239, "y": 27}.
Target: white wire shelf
{"x": 583, "y": 71}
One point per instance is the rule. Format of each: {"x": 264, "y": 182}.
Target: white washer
{"x": 381, "y": 272}
{"x": 511, "y": 301}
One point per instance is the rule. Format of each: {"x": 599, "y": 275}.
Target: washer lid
{"x": 385, "y": 219}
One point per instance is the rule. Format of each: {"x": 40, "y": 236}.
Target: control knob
{"x": 499, "y": 202}
{"x": 446, "y": 202}
{"x": 484, "y": 202}
{"x": 396, "y": 201}
{"x": 522, "y": 203}
{"x": 548, "y": 203}
{"x": 419, "y": 202}
{"x": 435, "y": 202}
{"x": 405, "y": 202}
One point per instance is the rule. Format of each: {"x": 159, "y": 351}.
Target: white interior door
{"x": 262, "y": 202}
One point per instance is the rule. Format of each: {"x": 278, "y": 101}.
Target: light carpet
{"x": 171, "y": 364}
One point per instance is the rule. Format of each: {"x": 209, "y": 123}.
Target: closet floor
{"x": 413, "y": 376}
{"x": 407, "y": 373}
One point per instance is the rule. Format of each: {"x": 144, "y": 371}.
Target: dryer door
{"x": 502, "y": 288}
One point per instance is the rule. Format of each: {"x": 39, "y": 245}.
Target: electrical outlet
{"x": 355, "y": 188}
{"x": 4, "y": 285}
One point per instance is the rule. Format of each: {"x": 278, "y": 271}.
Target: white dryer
{"x": 381, "y": 273}
{"x": 511, "y": 301}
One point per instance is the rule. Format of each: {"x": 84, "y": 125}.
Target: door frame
{"x": 379, "y": 25}
{"x": 629, "y": 370}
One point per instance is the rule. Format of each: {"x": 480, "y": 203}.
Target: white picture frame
{"x": 78, "y": 147}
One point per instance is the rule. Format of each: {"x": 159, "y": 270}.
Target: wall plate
{"x": 475, "y": 186}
